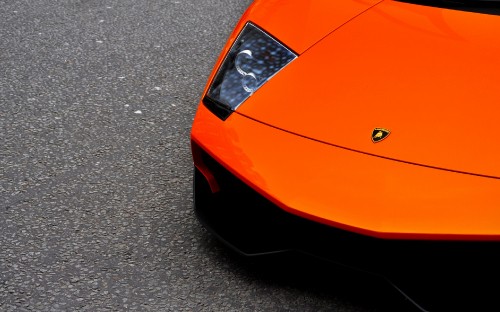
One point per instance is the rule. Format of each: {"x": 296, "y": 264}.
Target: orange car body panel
{"x": 349, "y": 190}
{"x": 299, "y": 23}
{"x": 303, "y": 139}
{"x": 442, "y": 104}
{"x": 302, "y": 23}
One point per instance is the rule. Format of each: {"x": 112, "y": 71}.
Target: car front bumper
{"x": 262, "y": 190}
{"x": 349, "y": 190}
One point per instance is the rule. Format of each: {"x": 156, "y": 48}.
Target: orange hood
{"x": 302, "y": 23}
{"x": 431, "y": 76}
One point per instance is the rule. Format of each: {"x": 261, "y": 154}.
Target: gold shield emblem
{"x": 379, "y": 134}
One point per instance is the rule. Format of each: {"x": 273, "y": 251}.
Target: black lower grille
{"x": 251, "y": 224}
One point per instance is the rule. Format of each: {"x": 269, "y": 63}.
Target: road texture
{"x": 96, "y": 103}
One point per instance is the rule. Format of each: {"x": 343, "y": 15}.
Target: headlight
{"x": 253, "y": 59}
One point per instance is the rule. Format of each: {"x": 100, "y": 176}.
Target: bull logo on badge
{"x": 380, "y": 134}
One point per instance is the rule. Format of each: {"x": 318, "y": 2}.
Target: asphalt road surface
{"x": 96, "y": 103}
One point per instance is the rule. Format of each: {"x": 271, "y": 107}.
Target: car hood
{"x": 429, "y": 75}
{"x": 302, "y": 23}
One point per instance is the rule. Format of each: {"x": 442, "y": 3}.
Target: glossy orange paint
{"x": 302, "y": 23}
{"x": 299, "y": 23}
{"x": 303, "y": 139}
{"x": 429, "y": 75}
{"x": 349, "y": 190}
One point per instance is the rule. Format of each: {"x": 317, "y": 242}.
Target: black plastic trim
{"x": 490, "y": 7}
{"x": 252, "y": 225}
{"x": 218, "y": 109}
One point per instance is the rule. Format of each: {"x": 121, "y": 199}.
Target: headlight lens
{"x": 253, "y": 59}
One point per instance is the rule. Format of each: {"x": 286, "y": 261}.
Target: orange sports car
{"x": 366, "y": 132}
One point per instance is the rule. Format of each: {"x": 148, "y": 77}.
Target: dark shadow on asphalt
{"x": 425, "y": 291}
{"x": 318, "y": 278}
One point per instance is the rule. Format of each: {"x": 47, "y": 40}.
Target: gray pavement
{"x": 96, "y": 103}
